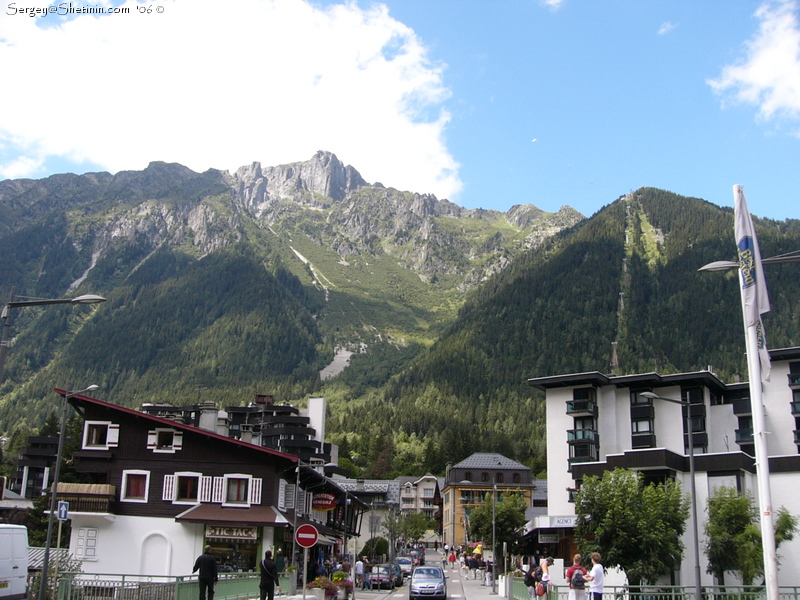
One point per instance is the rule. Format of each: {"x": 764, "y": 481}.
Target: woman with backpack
{"x": 576, "y": 576}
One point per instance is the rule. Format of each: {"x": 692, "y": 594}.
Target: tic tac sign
{"x": 306, "y": 536}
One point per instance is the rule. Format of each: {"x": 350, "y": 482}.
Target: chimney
{"x": 208, "y": 416}
{"x": 247, "y": 433}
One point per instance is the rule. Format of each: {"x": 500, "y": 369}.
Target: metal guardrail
{"x": 662, "y": 592}
{"x": 89, "y": 586}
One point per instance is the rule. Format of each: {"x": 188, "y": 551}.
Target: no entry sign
{"x": 306, "y": 536}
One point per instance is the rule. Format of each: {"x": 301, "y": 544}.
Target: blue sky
{"x": 486, "y": 103}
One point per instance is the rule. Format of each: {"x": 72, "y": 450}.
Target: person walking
{"x": 207, "y": 575}
{"x": 596, "y": 578}
{"x": 269, "y": 577}
{"x": 452, "y": 560}
{"x": 576, "y": 575}
{"x": 359, "y": 583}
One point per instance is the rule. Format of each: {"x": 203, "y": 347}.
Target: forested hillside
{"x": 627, "y": 276}
{"x": 221, "y": 286}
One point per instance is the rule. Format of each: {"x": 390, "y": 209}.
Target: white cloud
{"x": 769, "y": 74}
{"x": 666, "y": 27}
{"x": 212, "y": 84}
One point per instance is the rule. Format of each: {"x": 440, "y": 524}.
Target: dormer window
{"x": 100, "y": 435}
{"x": 164, "y": 440}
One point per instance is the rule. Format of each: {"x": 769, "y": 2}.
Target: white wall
{"x": 137, "y": 545}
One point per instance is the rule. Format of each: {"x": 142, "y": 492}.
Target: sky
{"x": 486, "y": 103}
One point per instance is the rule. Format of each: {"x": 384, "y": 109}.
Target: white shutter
{"x": 282, "y": 494}
{"x": 169, "y": 488}
{"x": 205, "y": 489}
{"x": 301, "y": 502}
{"x": 289, "y": 496}
{"x": 177, "y": 440}
{"x": 255, "y": 491}
{"x": 218, "y": 495}
{"x": 152, "y": 439}
{"x": 112, "y": 438}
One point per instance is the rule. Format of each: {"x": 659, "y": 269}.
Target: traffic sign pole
{"x": 305, "y": 568}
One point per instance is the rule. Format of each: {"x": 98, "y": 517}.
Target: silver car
{"x": 428, "y": 582}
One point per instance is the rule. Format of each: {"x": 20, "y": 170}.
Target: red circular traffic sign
{"x": 306, "y": 536}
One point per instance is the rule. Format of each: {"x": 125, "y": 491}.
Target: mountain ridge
{"x": 223, "y": 285}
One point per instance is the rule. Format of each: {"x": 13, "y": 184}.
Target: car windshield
{"x": 404, "y": 561}
{"x": 382, "y": 569}
{"x": 422, "y": 573}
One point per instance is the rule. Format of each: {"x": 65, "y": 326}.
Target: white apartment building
{"x": 597, "y": 422}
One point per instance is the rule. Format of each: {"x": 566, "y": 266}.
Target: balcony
{"x": 643, "y": 440}
{"x": 582, "y": 408}
{"x": 744, "y": 436}
{"x": 575, "y": 436}
{"x": 642, "y": 411}
{"x": 699, "y": 439}
{"x": 794, "y": 380}
{"x": 795, "y": 409}
{"x": 742, "y": 407}
{"x": 98, "y": 498}
{"x": 797, "y": 437}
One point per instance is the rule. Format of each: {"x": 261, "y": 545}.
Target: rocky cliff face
{"x": 323, "y": 199}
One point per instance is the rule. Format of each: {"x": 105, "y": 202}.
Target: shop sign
{"x": 323, "y": 502}
{"x": 221, "y": 532}
{"x": 548, "y": 538}
{"x": 563, "y": 521}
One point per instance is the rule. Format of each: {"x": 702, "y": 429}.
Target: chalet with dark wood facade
{"x": 163, "y": 489}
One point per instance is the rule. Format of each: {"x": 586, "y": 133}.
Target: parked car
{"x": 382, "y": 576}
{"x": 406, "y": 564}
{"x": 428, "y": 582}
{"x": 398, "y": 573}
{"x": 418, "y": 557}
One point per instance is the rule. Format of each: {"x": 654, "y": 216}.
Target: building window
{"x": 499, "y": 477}
{"x": 164, "y": 440}
{"x": 237, "y": 491}
{"x": 468, "y": 475}
{"x": 516, "y": 478}
{"x": 638, "y": 400}
{"x": 187, "y": 488}
{"x": 86, "y": 544}
{"x": 100, "y": 435}
{"x": 135, "y": 485}
{"x": 643, "y": 426}
{"x": 427, "y": 493}
{"x": 484, "y": 476}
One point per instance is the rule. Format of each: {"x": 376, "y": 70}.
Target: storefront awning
{"x": 215, "y": 514}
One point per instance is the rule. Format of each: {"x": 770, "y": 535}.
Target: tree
{"x": 415, "y": 525}
{"x": 734, "y": 537}
{"x": 509, "y": 517}
{"x": 634, "y": 525}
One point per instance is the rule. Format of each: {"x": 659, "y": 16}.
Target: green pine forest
{"x": 444, "y": 367}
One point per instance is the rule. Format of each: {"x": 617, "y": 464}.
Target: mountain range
{"x": 418, "y": 319}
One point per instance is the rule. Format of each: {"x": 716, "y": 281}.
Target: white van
{"x": 13, "y": 561}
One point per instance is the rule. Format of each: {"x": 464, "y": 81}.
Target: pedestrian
{"x": 452, "y": 560}
{"x": 367, "y": 574}
{"x": 346, "y": 567}
{"x": 473, "y": 566}
{"x": 360, "y": 572}
{"x": 464, "y": 567}
{"x": 269, "y": 577}
{"x": 207, "y": 575}
{"x": 596, "y": 578}
{"x": 576, "y": 576}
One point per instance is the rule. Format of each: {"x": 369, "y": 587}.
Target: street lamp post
{"x": 689, "y": 429}
{"x": 12, "y": 303}
{"x": 494, "y": 539}
{"x": 54, "y": 486}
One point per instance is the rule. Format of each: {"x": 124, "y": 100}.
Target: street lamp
{"x": 494, "y": 539}
{"x": 6, "y": 316}
{"x": 689, "y": 428}
{"x": 54, "y": 486}
{"x": 754, "y": 371}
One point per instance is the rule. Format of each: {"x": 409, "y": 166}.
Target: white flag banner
{"x": 754, "y": 287}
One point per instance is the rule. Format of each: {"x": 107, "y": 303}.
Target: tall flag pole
{"x": 755, "y": 302}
